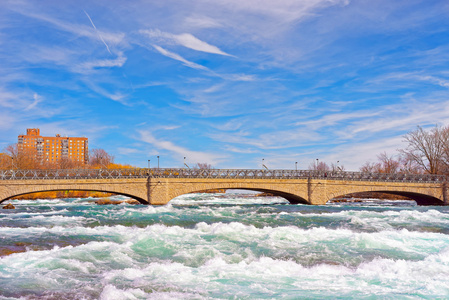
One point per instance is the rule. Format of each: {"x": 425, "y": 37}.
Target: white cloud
{"x": 241, "y": 77}
{"x": 332, "y": 119}
{"x": 126, "y": 151}
{"x": 185, "y": 39}
{"x": 79, "y": 30}
{"x": 6, "y": 121}
{"x": 115, "y": 96}
{"x": 7, "y": 99}
{"x": 287, "y": 10}
{"x": 102, "y": 63}
{"x": 435, "y": 80}
{"x": 200, "y": 22}
{"x": 193, "y": 156}
{"x": 180, "y": 58}
{"x": 281, "y": 139}
{"x": 353, "y": 156}
{"x": 244, "y": 150}
{"x": 403, "y": 116}
{"x": 36, "y": 101}
{"x": 405, "y": 78}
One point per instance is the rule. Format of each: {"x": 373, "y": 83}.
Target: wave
{"x": 221, "y": 238}
{"x": 115, "y": 273}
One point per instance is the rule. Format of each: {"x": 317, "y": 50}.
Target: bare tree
{"x": 319, "y": 166}
{"x": 426, "y": 148}
{"x": 100, "y": 158}
{"x": 5, "y": 161}
{"x": 22, "y": 158}
{"x": 66, "y": 163}
{"x": 444, "y": 136}
{"x": 409, "y": 166}
{"x": 336, "y": 167}
{"x": 203, "y": 166}
{"x": 388, "y": 164}
{"x": 369, "y": 167}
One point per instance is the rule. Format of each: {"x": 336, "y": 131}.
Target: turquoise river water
{"x": 223, "y": 246}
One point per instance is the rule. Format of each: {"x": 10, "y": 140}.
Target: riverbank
{"x": 63, "y": 195}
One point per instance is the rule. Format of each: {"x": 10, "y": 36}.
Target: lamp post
{"x": 184, "y": 162}
{"x": 317, "y": 164}
{"x": 149, "y": 163}
{"x": 263, "y": 164}
{"x": 296, "y": 165}
{"x": 158, "y": 161}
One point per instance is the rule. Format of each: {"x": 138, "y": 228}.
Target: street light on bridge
{"x": 186, "y": 165}
{"x": 263, "y": 164}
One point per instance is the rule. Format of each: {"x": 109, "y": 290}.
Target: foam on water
{"x": 209, "y": 246}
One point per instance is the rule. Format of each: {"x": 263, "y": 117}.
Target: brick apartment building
{"x": 53, "y": 149}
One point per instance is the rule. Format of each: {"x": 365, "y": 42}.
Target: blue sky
{"x": 227, "y": 82}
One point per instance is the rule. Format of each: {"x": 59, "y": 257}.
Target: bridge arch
{"x": 420, "y": 198}
{"x": 142, "y": 201}
{"x": 293, "y": 199}
{"x": 136, "y": 188}
{"x": 163, "y": 190}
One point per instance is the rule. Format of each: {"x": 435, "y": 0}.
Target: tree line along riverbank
{"x": 63, "y": 195}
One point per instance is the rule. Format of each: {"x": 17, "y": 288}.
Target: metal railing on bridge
{"x": 213, "y": 173}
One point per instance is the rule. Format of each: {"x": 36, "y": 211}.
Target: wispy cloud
{"x": 201, "y": 22}
{"x": 7, "y": 98}
{"x": 36, "y": 101}
{"x": 126, "y": 151}
{"x": 404, "y": 116}
{"x": 353, "y": 156}
{"x": 180, "y": 58}
{"x": 7, "y": 122}
{"x": 101, "y": 63}
{"x": 106, "y": 92}
{"x": 79, "y": 30}
{"x": 193, "y": 156}
{"x": 185, "y": 39}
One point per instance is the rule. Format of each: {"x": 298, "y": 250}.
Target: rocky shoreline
{"x": 108, "y": 201}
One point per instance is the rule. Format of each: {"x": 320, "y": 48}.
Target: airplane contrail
{"x": 96, "y": 30}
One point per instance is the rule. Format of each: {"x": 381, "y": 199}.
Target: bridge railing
{"x": 292, "y": 174}
{"x": 213, "y": 173}
{"x": 73, "y": 174}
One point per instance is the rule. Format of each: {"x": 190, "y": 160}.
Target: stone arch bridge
{"x": 159, "y": 186}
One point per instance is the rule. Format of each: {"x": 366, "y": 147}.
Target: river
{"x": 223, "y": 246}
